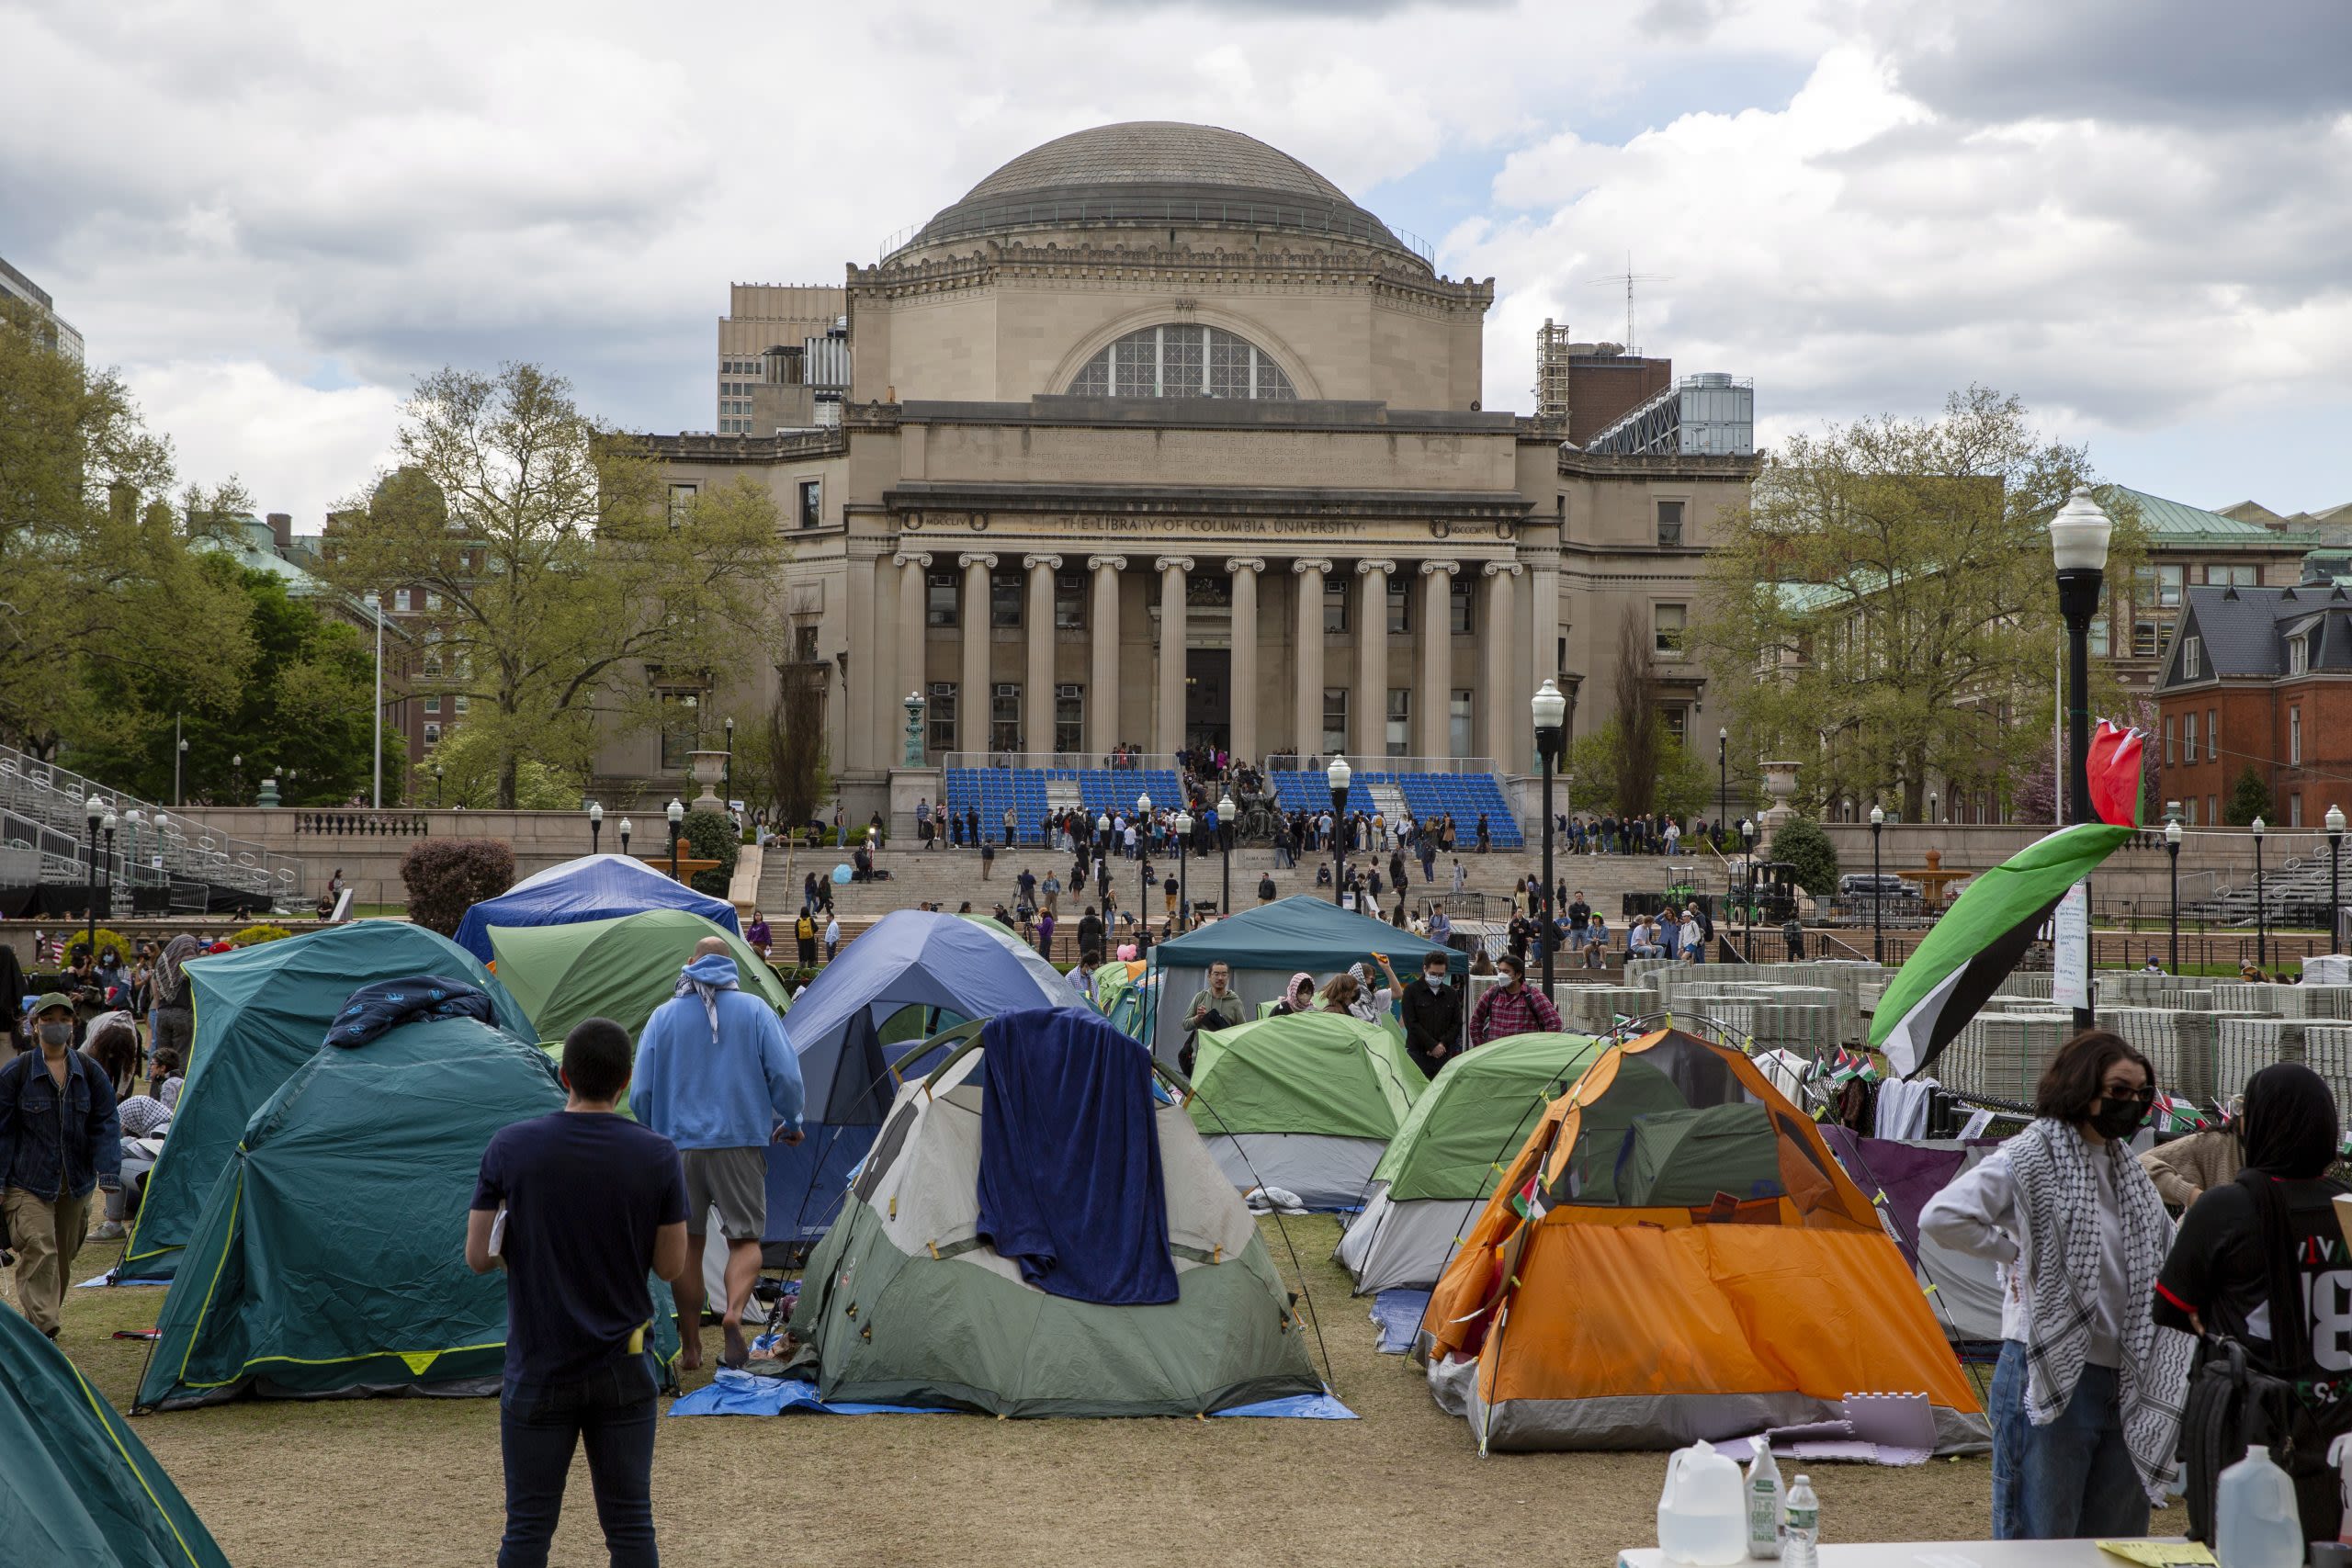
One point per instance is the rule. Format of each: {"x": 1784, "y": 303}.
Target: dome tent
{"x": 593, "y": 887}
{"x": 260, "y": 1014}
{"x": 1306, "y": 1103}
{"x": 621, "y": 968}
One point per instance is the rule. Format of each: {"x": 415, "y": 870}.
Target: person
{"x": 716, "y": 1078}
{"x": 2086, "y": 1395}
{"x": 1216, "y": 1005}
{"x": 988, "y": 858}
{"x": 1580, "y": 919}
{"x": 2152, "y": 966}
{"x": 1461, "y": 877}
{"x": 1090, "y": 931}
{"x": 1511, "y": 1007}
{"x": 760, "y": 938}
{"x": 593, "y": 1203}
{"x": 1792, "y": 933}
{"x": 1168, "y": 892}
{"x": 1354, "y": 992}
{"x": 2253, "y": 1252}
{"x": 1026, "y": 887}
{"x": 1596, "y": 941}
{"x": 60, "y": 1137}
{"x": 2186, "y": 1168}
{"x": 804, "y": 936}
{"x": 1052, "y": 890}
{"x": 163, "y": 1069}
{"x": 1481, "y": 964}
{"x": 1046, "y": 936}
{"x": 1641, "y": 939}
{"x": 1432, "y": 1016}
{"x": 1693, "y": 941}
{"x": 1298, "y": 997}
{"x": 832, "y": 937}
{"x": 174, "y": 1023}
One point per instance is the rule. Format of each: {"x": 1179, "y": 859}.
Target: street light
{"x": 1338, "y": 775}
{"x": 1550, "y": 710}
{"x": 2334, "y": 877}
{"x": 237, "y": 775}
{"x": 2261, "y": 929}
{"x": 95, "y": 810}
{"x": 179, "y": 760}
{"x": 624, "y": 831}
{"x": 436, "y": 786}
{"x": 1225, "y": 847}
{"x": 2172, "y": 850}
{"x": 1931, "y": 805}
{"x": 132, "y": 820}
{"x": 1747, "y": 915}
{"x": 1722, "y": 779}
{"x": 1183, "y": 838}
{"x": 595, "y": 824}
{"x": 2079, "y": 540}
{"x": 376, "y": 603}
{"x": 1103, "y": 868}
{"x": 676, "y": 813}
{"x": 1143, "y": 864}
{"x": 1878, "y": 889}
{"x": 109, "y": 824}
{"x": 729, "y": 784}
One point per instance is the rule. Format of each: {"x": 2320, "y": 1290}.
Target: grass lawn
{"x": 416, "y": 1481}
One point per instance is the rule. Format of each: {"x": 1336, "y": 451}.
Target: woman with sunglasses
{"x": 2086, "y": 1396}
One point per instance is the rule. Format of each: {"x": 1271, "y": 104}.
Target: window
{"x": 2229, "y": 576}
{"x": 938, "y": 604}
{"x": 1183, "y": 361}
{"x": 680, "y": 728}
{"x": 1678, "y": 724}
{"x": 1669, "y": 522}
{"x": 2211, "y": 814}
{"x": 1669, "y": 622}
{"x": 1335, "y": 719}
{"x": 2143, "y": 639}
{"x": 804, "y": 645}
{"x": 1461, "y": 598}
{"x": 1400, "y": 605}
{"x": 1069, "y": 719}
{"x": 1004, "y": 716}
{"x": 682, "y": 500}
{"x": 1457, "y": 718}
{"x": 940, "y": 710}
{"x": 812, "y": 504}
{"x": 2295, "y": 737}
{"x": 433, "y": 735}
{"x": 400, "y": 601}
{"x": 2192, "y": 658}
{"x": 1004, "y": 599}
{"x": 1400, "y": 721}
{"x": 2295, "y": 809}
{"x": 2188, "y": 811}
{"x": 2170, "y": 581}
{"x": 1335, "y": 602}
{"x": 2299, "y": 655}
{"x": 2098, "y": 636}
{"x": 2171, "y": 737}
{"x": 432, "y": 599}
{"x": 2213, "y": 733}
{"x": 460, "y": 701}
{"x": 1069, "y": 604}
{"x": 2189, "y": 738}
{"x": 433, "y": 702}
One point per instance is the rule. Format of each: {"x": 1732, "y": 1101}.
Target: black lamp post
{"x": 2079, "y": 540}
{"x": 1225, "y": 849}
{"x": 2172, "y": 852}
{"x": 1550, "y": 711}
{"x": 2334, "y": 877}
{"x": 595, "y": 825}
{"x": 729, "y": 786}
{"x": 106, "y": 825}
{"x": 1102, "y": 867}
{"x": 624, "y": 831}
{"x": 1723, "y": 780}
{"x": 1143, "y": 860}
{"x": 95, "y": 810}
{"x": 2261, "y": 923}
{"x": 1338, "y": 775}
{"x": 1183, "y": 890}
{"x": 676, "y": 812}
{"x": 436, "y": 786}
{"x": 1878, "y": 889}
{"x": 1747, "y": 916}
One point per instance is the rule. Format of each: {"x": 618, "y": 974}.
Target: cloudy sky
{"x": 2128, "y": 212}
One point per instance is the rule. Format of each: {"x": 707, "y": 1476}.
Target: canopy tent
{"x": 905, "y": 1302}
{"x": 327, "y": 1260}
{"x": 621, "y": 968}
{"x": 1444, "y": 1160}
{"x": 951, "y": 970}
{"x": 260, "y": 1014}
{"x": 593, "y": 887}
{"x": 1599, "y": 1302}
{"x": 1306, "y": 1103}
{"x": 1902, "y": 1173}
{"x": 79, "y": 1487}
{"x": 1268, "y": 944}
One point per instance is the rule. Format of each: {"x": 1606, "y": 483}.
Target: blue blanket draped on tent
{"x": 1069, "y": 1184}
{"x": 382, "y": 1006}
{"x": 593, "y": 887}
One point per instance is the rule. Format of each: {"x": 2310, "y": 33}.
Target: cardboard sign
{"x": 2070, "y": 983}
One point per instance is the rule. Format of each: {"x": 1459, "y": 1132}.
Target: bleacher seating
{"x": 1461, "y": 796}
{"x": 1101, "y": 790}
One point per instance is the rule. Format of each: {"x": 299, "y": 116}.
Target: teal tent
{"x": 260, "y": 1014}
{"x": 329, "y": 1259}
{"x": 79, "y": 1489}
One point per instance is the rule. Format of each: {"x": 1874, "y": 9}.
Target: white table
{"x": 1933, "y": 1554}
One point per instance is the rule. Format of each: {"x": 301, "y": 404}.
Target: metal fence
{"x": 153, "y": 860}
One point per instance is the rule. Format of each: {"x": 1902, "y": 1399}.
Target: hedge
{"x": 445, "y": 878}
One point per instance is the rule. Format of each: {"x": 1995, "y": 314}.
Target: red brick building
{"x": 2259, "y": 677}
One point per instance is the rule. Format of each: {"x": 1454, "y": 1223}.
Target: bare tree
{"x": 795, "y": 742}
{"x": 1641, "y": 724}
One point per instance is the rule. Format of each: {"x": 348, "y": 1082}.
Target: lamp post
{"x": 179, "y": 760}
{"x": 2172, "y": 852}
{"x": 132, "y": 820}
{"x": 2079, "y": 540}
{"x": 1102, "y": 867}
{"x": 1183, "y": 838}
{"x": 1225, "y": 849}
{"x": 1722, "y": 779}
{"x": 1550, "y": 711}
{"x": 1338, "y": 775}
{"x": 624, "y": 831}
{"x": 1143, "y": 860}
{"x": 1747, "y": 915}
{"x": 595, "y": 824}
{"x": 2334, "y": 877}
{"x": 108, "y": 825}
{"x": 729, "y": 786}
{"x": 1878, "y": 889}
{"x": 95, "y": 810}
{"x": 1931, "y": 805}
{"x": 676, "y": 813}
{"x": 237, "y": 777}
{"x": 2261, "y": 927}
{"x": 376, "y": 603}
{"x": 436, "y": 786}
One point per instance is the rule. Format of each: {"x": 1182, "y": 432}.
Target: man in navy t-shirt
{"x": 592, "y": 1202}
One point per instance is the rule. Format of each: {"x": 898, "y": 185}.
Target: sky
{"x": 2131, "y": 214}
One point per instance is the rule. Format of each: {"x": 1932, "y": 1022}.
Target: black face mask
{"x": 2118, "y": 1119}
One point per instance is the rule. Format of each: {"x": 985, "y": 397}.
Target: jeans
{"x": 612, "y": 1411}
{"x": 2072, "y": 1478}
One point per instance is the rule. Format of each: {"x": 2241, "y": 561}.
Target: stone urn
{"x": 1779, "y": 782}
{"x": 709, "y": 767}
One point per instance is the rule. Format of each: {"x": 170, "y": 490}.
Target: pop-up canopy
{"x": 593, "y": 887}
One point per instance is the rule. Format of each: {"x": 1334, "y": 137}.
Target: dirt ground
{"x": 416, "y": 1481}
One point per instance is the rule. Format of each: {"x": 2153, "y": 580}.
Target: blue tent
{"x": 593, "y": 887}
{"x": 952, "y": 969}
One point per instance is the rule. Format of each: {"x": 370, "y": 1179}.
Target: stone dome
{"x": 1159, "y": 173}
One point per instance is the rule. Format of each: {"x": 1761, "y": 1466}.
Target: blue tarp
{"x": 593, "y": 887}
{"x": 1070, "y": 1181}
{"x": 1399, "y": 1314}
{"x": 741, "y": 1393}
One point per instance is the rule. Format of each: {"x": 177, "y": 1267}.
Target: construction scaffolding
{"x": 1550, "y": 370}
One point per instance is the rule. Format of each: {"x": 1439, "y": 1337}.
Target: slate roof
{"x": 2244, "y": 630}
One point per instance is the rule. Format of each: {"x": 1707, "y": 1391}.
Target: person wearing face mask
{"x": 1433, "y": 1017}
{"x": 2086, "y": 1395}
{"x": 60, "y": 1138}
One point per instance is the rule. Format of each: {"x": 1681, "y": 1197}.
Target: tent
{"x": 260, "y": 1014}
{"x": 1901, "y": 1174}
{"x": 1599, "y": 1302}
{"x": 621, "y": 968}
{"x": 1121, "y": 988}
{"x": 79, "y": 1487}
{"x": 948, "y": 970}
{"x": 1444, "y": 1161}
{"x": 1306, "y": 1103}
{"x": 593, "y": 887}
{"x": 1265, "y": 946}
{"x": 903, "y": 1302}
{"x": 328, "y": 1260}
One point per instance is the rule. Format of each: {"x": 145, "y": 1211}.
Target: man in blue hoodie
{"x": 716, "y": 1076}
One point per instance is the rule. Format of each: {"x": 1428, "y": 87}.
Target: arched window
{"x": 1183, "y": 361}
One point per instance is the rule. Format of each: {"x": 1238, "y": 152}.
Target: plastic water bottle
{"x": 2256, "y": 1523}
{"x": 1702, "y": 1513}
{"x": 1804, "y": 1527}
{"x": 1764, "y": 1504}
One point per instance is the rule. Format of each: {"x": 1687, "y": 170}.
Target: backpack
{"x": 806, "y": 930}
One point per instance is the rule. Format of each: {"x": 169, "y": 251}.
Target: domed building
{"x": 1156, "y": 438}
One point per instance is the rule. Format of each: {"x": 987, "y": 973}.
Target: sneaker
{"x": 110, "y": 1231}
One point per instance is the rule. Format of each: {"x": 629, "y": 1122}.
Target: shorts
{"x": 733, "y": 1181}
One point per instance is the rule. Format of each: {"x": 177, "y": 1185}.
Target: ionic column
{"x": 911, "y": 671}
{"x": 1038, "y": 703}
{"x": 1307, "y": 735}
{"x": 1102, "y": 680}
{"x": 1243, "y": 677}
{"x": 972, "y": 692}
{"x": 1370, "y": 716}
{"x": 1506, "y": 712}
{"x": 1167, "y": 724}
{"x": 1435, "y": 699}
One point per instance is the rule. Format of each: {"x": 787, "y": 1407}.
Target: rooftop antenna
{"x": 1630, "y": 277}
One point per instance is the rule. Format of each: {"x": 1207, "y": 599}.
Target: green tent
{"x": 260, "y": 1014}
{"x": 621, "y": 968}
{"x": 329, "y": 1258}
{"x": 1120, "y": 995}
{"x": 79, "y": 1489}
{"x": 1681, "y": 1159}
{"x": 1306, "y": 1103}
{"x": 1446, "y": 1157}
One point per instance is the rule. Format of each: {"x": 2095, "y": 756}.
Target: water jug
{"x": 2254, "y": 1522}
{"x": 1703, "y": 1512}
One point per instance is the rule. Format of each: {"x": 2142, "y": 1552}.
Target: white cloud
{"x": 320, "y": 445}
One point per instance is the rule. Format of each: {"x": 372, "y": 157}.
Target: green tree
{"x": 1885, "y": 600}
{"x": 794, "y": 741}
{"x": 472, "y": 763}
{"x": 2249, "y": 798}
{"x": 1803, "y": 846}
{"x": 1680, "y": 786}
{"x": 709, "y": 836}
{"x": 568, "y": 572}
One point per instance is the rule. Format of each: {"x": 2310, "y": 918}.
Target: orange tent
{"x": 1675, "y": 1254}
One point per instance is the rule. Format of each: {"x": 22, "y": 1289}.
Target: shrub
{"x": 709, "y": 836}
{"x": 445, "y": 878}
{"x": 253, "y": 934}
{"x": 2249, "y": 798}
{"x": 106, "y": 938}
{"x": 1800, "y": 842}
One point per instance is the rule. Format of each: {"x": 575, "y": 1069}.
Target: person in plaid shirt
{"x": 1510, "y": 1007}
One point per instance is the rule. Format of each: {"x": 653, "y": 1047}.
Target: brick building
{"x": 2259, "y": 677}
